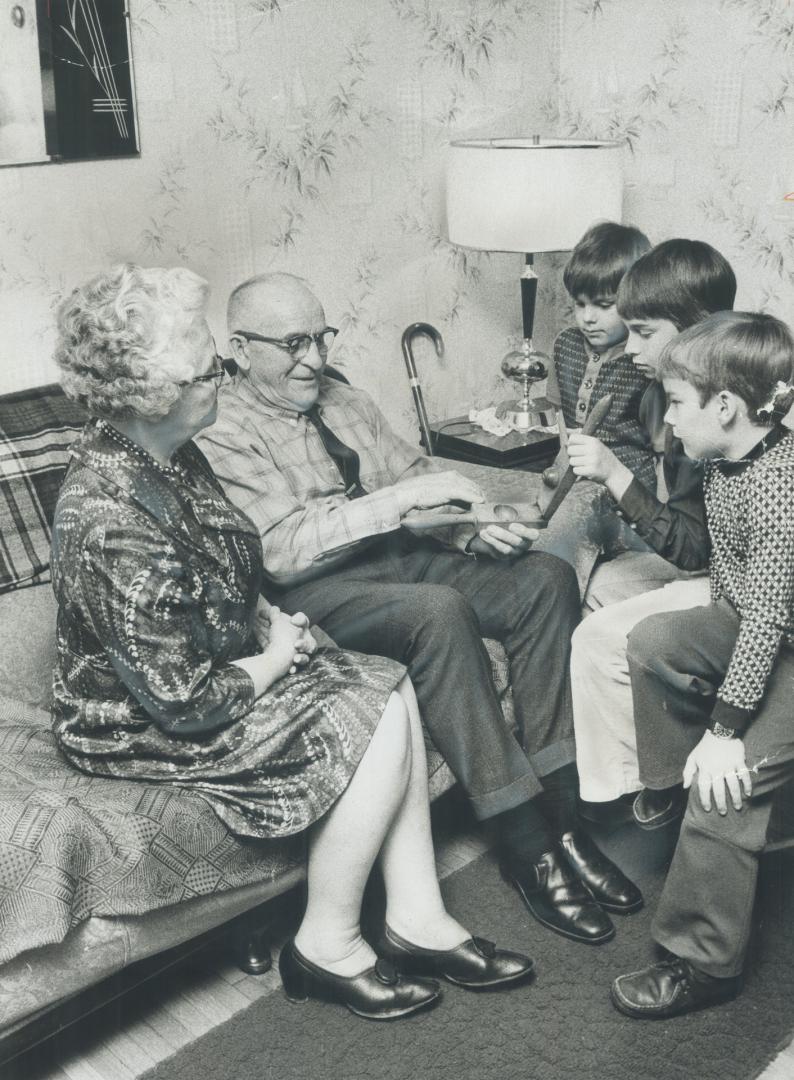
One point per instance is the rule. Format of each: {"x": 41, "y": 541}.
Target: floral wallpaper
{"x": 703, "y": 91}
{"x": 309, "y": 135}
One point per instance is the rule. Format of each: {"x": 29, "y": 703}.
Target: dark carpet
{"x": 562, "y": 1027}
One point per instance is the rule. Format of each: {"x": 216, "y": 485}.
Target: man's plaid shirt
{"x": 273, "y": 465}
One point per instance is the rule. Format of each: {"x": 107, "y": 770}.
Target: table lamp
{"x": 529, "y": 195}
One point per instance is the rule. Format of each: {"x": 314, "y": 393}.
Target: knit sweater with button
{"x": 585, "y": 377}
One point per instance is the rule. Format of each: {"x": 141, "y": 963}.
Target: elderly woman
{"x": 171, "y": 667}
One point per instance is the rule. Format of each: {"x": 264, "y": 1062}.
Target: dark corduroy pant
{"x": 677, "y": 661}
{"x": 430, "y": 608}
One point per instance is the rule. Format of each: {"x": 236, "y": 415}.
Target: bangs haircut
{"x": 745, "y": 352}
{"x": 601, "y": 258}
{"x": 682, "y": 281}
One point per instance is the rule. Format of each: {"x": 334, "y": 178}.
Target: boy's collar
{"x": 731, "y": 466}
{"x": 608, "y": 354}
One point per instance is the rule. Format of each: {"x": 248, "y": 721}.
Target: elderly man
{"x": 316, "y": 466}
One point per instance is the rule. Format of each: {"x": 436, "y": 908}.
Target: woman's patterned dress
{"x": 157, "y": 575}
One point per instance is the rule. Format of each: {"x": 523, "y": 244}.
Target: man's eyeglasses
{"x": 227, "y": 367}
{"x": 298, "y": 345}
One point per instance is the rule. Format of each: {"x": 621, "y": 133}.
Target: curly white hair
{"x": 123, "y": 342}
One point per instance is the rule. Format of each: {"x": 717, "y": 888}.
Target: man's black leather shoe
{"x": 653, "y": 809}
{"x": 555, "y": 895}
{"x": 379, "y": 993}
{"x": 476, "y": 964}
{"x": 669, "y": 989}
{"x": 607, "y": 883}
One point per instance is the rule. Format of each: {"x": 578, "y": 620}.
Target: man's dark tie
{"x": 345, "y": 458}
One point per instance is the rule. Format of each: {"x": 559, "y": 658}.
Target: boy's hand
{"x": 590, "y": 458}
{"x": 719, "y": 764}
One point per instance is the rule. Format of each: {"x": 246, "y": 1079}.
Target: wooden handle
{"x": 533, "y": 520}
{"x": 562, "y": 430}
{"x": 597, "y": 415}
{"x": 566, "y": 481}
{"x": 437, "y": 521}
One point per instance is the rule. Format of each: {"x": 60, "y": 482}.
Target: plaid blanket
{"x": 36, "y": 428}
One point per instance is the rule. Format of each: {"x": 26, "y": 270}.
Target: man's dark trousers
{"x": 677, "y": 660}
{"x": 429, "y": 608}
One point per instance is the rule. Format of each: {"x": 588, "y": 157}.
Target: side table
{"x": 458, "y": 439}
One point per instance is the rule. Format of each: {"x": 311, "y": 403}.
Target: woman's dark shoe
{"x": 653, "y": 809}
{"x": 378, "y": 993}
{"x": 556, "y": 896}
{"x": 607, "y": 883}
{"x": 476, "y": 964}
{"x": 670, "y": 989}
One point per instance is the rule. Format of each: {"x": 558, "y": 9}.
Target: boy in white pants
{"x": 676, "y": 285}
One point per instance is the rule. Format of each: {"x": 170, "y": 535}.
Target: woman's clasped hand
{"x": 287, "y": 638}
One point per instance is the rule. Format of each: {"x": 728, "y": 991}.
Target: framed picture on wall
{"x": 66, "y": 81}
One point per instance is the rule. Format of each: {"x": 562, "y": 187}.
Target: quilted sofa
{"x": 95, "y": 874}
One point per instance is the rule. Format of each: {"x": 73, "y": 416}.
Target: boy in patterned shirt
{"x": 590, "y": 359}
{"x": 712, "y": 684}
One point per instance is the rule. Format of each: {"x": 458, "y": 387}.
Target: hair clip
{"x": 781, "y": 390}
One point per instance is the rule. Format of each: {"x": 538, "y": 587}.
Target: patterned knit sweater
{"x": 750, "y": 512}
{"x": 584, "y": 377}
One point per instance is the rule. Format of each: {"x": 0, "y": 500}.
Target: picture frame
{"x": 66, "y": 82}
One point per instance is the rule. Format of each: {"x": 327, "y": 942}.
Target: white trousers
{"x": 606, "y": 747}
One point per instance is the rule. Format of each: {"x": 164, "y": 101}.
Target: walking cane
{"x": 409, "y": 334}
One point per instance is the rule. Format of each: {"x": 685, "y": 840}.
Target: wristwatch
{"x": 721, "y": 732}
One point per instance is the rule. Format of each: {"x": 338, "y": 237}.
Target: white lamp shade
{"x": 528, "y": 196}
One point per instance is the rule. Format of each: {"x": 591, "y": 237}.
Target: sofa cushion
{"x": 73, "y": 846}
{"x": 27, "y": 645}
{"x": 36, "y": 428}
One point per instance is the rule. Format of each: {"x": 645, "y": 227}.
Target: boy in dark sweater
{"x": 673, "y": 287}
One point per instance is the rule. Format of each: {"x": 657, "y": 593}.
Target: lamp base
{"x": 522, "y": 417}
{"x": 527, "y": 367}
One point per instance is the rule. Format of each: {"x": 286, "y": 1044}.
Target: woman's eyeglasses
{"x": 227, "y": 367}
{"x": 298, "y": 345}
